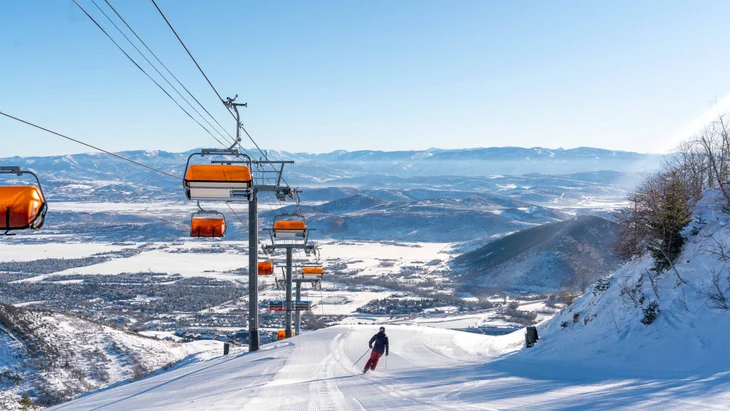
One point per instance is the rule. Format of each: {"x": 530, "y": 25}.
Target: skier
{"x": 381, "y": 346}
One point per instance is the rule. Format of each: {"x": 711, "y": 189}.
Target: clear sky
{"x": 386, "y": 75}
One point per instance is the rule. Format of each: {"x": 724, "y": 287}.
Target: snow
{"x": 31, "y": 252}
{"x": 427, "y": 369}
{"x": 335, "y": 302}
{"x": 608, "y": 322}
{"x": 312, "y": 371}
{"x": 375, "y": 250}
{"x": 76, "y": 355}
{"x": 185, "y": 257}
{"x": 186, "y": 264}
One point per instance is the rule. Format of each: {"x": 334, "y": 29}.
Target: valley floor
{"x": 428, "y": 368}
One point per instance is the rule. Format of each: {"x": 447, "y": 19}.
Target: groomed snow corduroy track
{"x": 427, "y": 369}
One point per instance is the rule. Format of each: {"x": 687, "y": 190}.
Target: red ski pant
{"x": 373, "y": 361}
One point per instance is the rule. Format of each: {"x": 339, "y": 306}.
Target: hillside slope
{"x": 55, "y": 357}
{"x": 689, "y": 336}
{"x": 428, "y": 369}
{"x": 565, "y": 254}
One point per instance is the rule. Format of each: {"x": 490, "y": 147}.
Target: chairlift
{"x": 21, "y": 206}
{"x": 220, "y": 180}
{"x": 207, "y": 224}
{"x": 266, "y": 268}
{"x": 312, "y": 271}
{"x": 290, "y": 226}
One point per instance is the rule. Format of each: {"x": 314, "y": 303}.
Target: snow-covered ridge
{"x": 55, "y": 357}
{"x": 569, "y": 255}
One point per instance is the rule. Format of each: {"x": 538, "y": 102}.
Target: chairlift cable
{"x": 91, "y": 146}
{"x": 189, "y": 53}
{"x": 240, "y": 125}
{"x": 168, "y": 70}
{"x": 239, "y": 218}
{"x": 143, "y": 71}
{"x": 157, "y": 70}
{"x": 212, "y": 86}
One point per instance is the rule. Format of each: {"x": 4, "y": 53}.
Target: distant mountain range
{"x": 312, "y": 168}
{"x": 429, "y": 195}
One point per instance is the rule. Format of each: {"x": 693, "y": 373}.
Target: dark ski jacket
{"x": 381, "y": 343}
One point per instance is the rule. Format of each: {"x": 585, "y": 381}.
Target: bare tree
{"x": 629, "y": 294}
{"x": 714, "y": 140}
{"x": 714, "y": 292}
{"x": 654, "y": 281}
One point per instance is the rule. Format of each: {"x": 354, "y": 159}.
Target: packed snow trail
{"x": 428, "y": 369}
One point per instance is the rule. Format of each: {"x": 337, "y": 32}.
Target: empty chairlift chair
{"x": 266, "y": 268}
{"x": 21, "y": 206}
{"x": 219, "y": 181}
{"x": 312, "y": 271}
{"x": 207, "y": 224}
{"x": 289, "y": 227}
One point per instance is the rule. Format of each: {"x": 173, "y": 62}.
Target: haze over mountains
{"x": 428, "y": 195}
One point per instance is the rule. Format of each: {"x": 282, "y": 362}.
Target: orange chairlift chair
{"x": 290, "y": 226}
{"x": 312, "y": 271}
{"x": 21, "y": 206}
{"x": 207, "y": 223}
{"x": 220, "y": 180}
{"x": 266, "y": 268}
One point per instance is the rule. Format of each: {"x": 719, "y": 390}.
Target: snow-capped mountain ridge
{"x": 55, "y": 357}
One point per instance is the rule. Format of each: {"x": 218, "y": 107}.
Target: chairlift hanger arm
{"x": 18, "y": 171}
{"x": 229, "y": 103}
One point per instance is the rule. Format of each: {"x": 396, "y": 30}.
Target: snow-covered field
{"x": 189, "y": 258}
{"x": 31, "y": 252}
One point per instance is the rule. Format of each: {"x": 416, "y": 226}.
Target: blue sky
{"x": 386, "y": 75}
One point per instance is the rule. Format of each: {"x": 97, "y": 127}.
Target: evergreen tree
{"x": 672, "y": 215}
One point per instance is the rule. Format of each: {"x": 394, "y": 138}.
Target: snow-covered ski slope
{"x": 427, "y": 369}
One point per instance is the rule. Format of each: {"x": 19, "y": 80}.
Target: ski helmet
{"x": 382, "y": 329}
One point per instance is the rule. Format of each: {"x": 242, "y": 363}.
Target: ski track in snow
{"x": 428, "y": 369}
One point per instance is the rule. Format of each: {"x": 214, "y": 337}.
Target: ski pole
{"x": 358, "y": 360}
{"x": 386, "y": 362}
